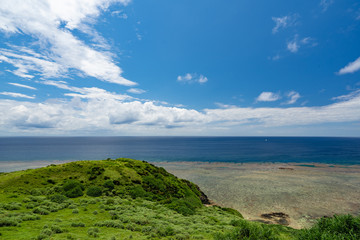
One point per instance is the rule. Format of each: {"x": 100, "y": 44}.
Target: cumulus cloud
{"x": 268, "y": 97}
{"x": 22, "y": 86}
{"x": 351, "y": 67}
{"x": 192, "y": 78}
{"x": 136, "y": 117}
{"x": 16, "y": 95}
{"x": 51, "y": 24}
{"x": 284, "y": 22}
{"x": 293, "y": 97}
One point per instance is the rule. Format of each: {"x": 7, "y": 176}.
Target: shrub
{"x": 51, "y": 181}
{"x": 41, "y": 211}
{"x": 8, "y": 222}
{"x": 109, "y": 185}
{"x": 56, "y": 229}
{"x": 79, "y": 224}
{"x": 75, "y": 192}
{"x": 73, "y": 189}
{"x": 94, "y": 232}
{"x": 58, "y": 198}
{"x": 94, "y": 191}
{"x": 12, "y": 206}
{"x": 75, "y": 211}
{"x": 137, "y": 191}
{"x": 110, "y": 223}
{"x": 344, "y": 227}
{"x": 248, "y": 230}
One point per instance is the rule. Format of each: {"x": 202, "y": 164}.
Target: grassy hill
{"x": 130, "y": 199}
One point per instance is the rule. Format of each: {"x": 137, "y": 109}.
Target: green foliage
{"x": 73, "y": 189}
{"x": 109, "y": 185}
{"x": 233, "y": 211}
{"x": 141, "y": 202}
{"x": 58, "y": 198}
{"x": 94, "y": 191}
{"x": 249, "y": 231}
{"x": 137, "y": 191}
{"x": 93, "y": 232}
{"x": 41, "y": 211}
{"x": 6, "y": 222}
{"x": 344, "y": 227}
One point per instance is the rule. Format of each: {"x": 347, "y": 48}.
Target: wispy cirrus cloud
{"x": 350, "y": 67}
{"x": 192, "y": 78}
{"x": 22, "y": 86}
{"x": 50, "y": 24}
{"x": 325, "y": 4}
{"x": 295, "y": 44}
{"x": 136, "y": 90}
{"x": 17, "y": 95}
{"x": 284, "y": 22}
{"x": 292, "y": 97}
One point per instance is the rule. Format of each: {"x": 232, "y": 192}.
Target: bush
{"x": 110, "y": 223}
{"x": 41, "y": 211}
{"x": 344, "y": 227}
{"x": 58, "y": 198}
{"x": 75, "y": 211}
{"x": 75, "y": 192}
{"x": 79, "y": 224}
{"x": 94, "y": 232}
{"x": 247, "y": 230}
{"x": 8, "y": 222}
{"x": 109, "y": 185}
{"x": 94, "y": 191}
{"x": 56, "y": 229}
{"x": 12, "y": 206}
{"x": 137, "y": 191}
{"x": 73, "y": 189}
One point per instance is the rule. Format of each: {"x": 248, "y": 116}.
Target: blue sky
{"x": 132, "y": 67}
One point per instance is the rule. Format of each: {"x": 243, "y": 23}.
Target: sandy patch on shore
{"x": 304, "y": 192}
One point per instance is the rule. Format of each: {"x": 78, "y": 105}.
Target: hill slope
{"x": 119, "y": 199}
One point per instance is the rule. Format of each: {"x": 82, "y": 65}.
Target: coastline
{"x": 292, "y": 194}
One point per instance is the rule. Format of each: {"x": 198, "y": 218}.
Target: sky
{"x": 179, "y": 68}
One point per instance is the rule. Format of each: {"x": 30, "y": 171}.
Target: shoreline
{"x": 292, "y": 194}
{"x": 287, "y": 193}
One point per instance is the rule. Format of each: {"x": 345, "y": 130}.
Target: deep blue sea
{"x": 208, "y": 149}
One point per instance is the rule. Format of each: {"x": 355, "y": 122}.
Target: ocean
{"x": 204, "y": 149}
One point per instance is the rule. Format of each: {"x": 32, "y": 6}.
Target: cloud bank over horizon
{"x": 56, "y": 46}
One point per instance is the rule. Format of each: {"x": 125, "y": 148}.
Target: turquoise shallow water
{"x": 206, "y": 149}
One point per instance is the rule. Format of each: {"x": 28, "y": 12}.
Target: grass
{"x": 129, "y": 199}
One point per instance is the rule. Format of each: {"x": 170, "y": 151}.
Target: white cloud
{"x": 293, "y": 97}
{"x": 22, "y": 86}
{"x": 351, "y": 67}
{"x": 284, "y": 22}
{"x": 16, "y": 95}
{"x": 136, "y": 90}
{"x": 133, "y": 117}
{"x": 51, "y": 23}
{"x": 295, "y": 44}
{"x": 192, "y": 77}
{"x": 325, "y": 4}
{"x": 86, "y": 93}
{"x": 267, "y": 97}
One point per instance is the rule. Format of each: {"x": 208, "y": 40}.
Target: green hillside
{"x": 129, "y": 199}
